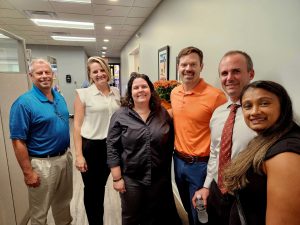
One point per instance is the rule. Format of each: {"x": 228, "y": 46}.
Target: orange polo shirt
{"x": 191, "y": 113}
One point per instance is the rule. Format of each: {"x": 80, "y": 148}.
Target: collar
{"x": 41, "y": 96}
{"x": 198, "y": 88}
{"x": 96, "y": 91}
{"x": 229, "y": 103}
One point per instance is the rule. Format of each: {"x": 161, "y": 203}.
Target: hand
{"x": 203, "y": 193}
{"x": 32, "y": 179}
{"x": 80, "y": 164}
{"x": 119, "y": 186}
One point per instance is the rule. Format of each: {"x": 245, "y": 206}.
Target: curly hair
{"x": 127, "y": 101}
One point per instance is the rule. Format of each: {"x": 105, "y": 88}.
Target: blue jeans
{"x": 189, "y": 178}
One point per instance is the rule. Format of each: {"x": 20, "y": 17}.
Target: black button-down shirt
{"x": 143, "y": 150}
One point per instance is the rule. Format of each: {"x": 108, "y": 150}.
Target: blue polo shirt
{"x": 42, "y": 124}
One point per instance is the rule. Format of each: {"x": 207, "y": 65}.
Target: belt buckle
{"x": 191, "y": 159}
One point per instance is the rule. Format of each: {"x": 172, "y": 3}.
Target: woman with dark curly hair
{"x": 139, "y": 151}
{"x": 265, "y": 176}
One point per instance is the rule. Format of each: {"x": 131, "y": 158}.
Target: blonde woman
{"x": 93, "y": 108}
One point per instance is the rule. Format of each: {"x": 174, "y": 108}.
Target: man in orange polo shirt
{"x": 193, "y": 104}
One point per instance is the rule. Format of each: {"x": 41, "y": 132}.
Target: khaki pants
{"x": 55, "y": 190}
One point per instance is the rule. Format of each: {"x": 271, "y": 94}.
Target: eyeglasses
{"x": 59, "y": 115}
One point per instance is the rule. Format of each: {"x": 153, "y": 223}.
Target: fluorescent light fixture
{"x": 3, "y": 36}
{"x": 104, "y": 48}
{"x": 103, "y": 52}
{"x": 64, "y": 24}
{"x": 73, "y": 1}
{"x": 107, "y": 27}
{"x": 105, "y": 40}
{"x": 69, "y": 38}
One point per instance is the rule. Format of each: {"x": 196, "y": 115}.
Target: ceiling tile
{"x": 11, "y": 13}
{"x": 125, "y": 17}
{"x": 32, "y": 5}
{"x": 109, "y": 20}
{"x": 139, "y": 12}
{"x": 32, "y": 27}
{"x": 107, "y": 10}
{"x": 120, "y": 2}
{"x": 19, "y": 22}
{"x": 146, "y": 3}
{"x": 130, "y": 27}
{"x": 5, "y": 5}
{"x": 75, "y": 17}
{"x": 136, "y": 21}
{"x": 72, "y": 8}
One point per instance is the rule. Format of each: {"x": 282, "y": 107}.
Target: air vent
{"x": 60, "y": 34}
{"x": 40, "y": 14}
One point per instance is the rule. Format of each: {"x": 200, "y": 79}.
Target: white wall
{"x": 266, "y": 29}
{"x": 70, "y": 60}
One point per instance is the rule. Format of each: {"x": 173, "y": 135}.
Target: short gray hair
{"x": 38, "y": 61}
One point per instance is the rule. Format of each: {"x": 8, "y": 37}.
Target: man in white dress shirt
{"x": 235, "y": 72}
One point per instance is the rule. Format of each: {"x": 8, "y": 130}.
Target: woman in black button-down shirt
{"x": 140, "y": 146}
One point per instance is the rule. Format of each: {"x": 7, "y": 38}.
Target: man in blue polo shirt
{"x": 39, "y": 129}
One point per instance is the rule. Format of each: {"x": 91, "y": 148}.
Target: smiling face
{"x": 141, "y": 92}
{"x": 189, "y": 68}
{"x": 261, "y": 109}
{"x": 234, "y": 75}
{"x": 42, "y": 75}
{"x": 98, "y": 74}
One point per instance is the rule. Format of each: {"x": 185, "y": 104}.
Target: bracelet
{"x": 116, "y": 180}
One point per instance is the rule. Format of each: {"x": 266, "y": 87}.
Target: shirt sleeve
{"x": 114, "y": 144}
{"x": 220, "y": 100}
{"x": 19, "y": 121}
{"x": 81, "y": 94}
{"x": 211, "y": 165}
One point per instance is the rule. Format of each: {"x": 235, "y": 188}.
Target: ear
{"x": 201, "y": 66}
{"x": 251, "y": 73}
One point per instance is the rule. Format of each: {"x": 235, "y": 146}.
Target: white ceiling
{"x": 125, "y": 17}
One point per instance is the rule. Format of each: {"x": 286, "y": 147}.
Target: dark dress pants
{"x": 94, "y": 179}
{"x": 218, "y": 206}
{"x": 149, "y": 205}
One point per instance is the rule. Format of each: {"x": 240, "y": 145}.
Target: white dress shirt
{"x": 241, "y": 136}
{"x": 98, "y": 111}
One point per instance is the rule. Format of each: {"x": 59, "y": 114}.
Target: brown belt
{"x": 190, "y": 158}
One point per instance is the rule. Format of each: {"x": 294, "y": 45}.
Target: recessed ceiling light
{"x": 74, "y": 1}
{"x": 69, "y": 38}
{"x": 108, "y": 27}
{"x": 103, "y": 56}
{"x": 103, "y": 52}
{"x": 3, "y": 36}
{"x": 113, "y": 0}
{"x": 104, "y": 47}
{"x": 105, "y": 40}
{"x": 64, "y": 24}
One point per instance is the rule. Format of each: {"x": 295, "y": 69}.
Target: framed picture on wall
{"x": 163, "y": 63}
